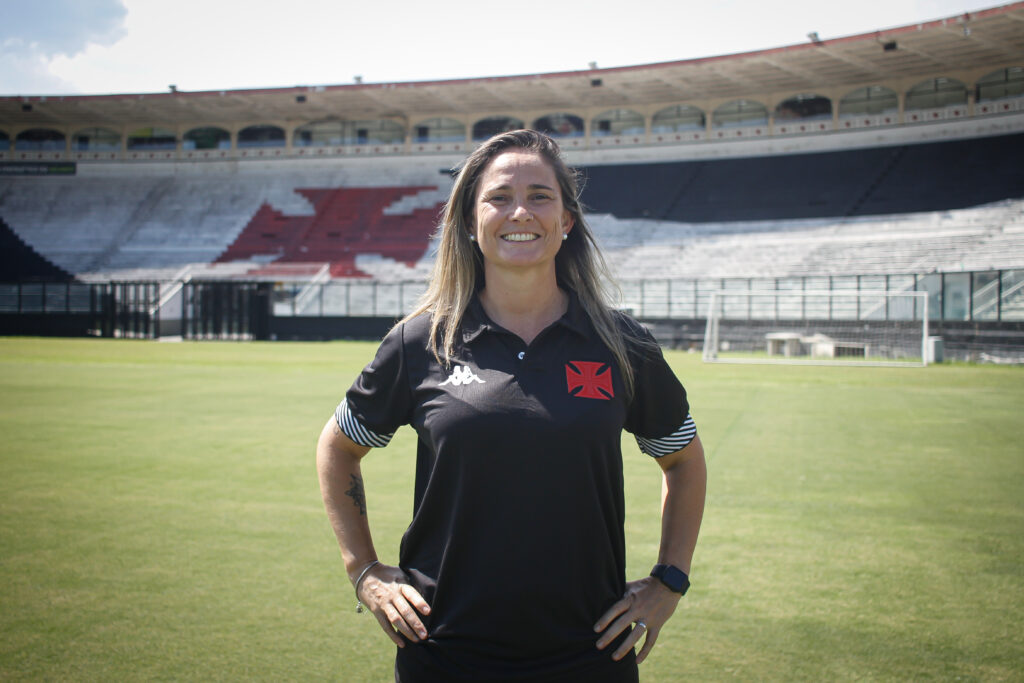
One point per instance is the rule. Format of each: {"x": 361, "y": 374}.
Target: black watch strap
{"x": 674, "y": 578}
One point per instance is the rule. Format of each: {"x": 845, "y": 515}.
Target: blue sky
{"x": 54, "y": 47}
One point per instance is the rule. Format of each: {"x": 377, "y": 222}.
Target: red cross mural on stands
{"x": 346, "y": 221}
{"x": 589, "y": 377}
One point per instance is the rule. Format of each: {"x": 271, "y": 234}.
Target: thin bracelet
{"x": 362, "y": 575}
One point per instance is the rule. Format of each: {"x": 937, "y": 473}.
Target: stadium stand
{"x": 125, "y": 221}
{"x": 23, "y": 263}
{"x": 846, "y": 212}
{"x": 904, "y": 168}
{"x": 863, "y": 182}
{"x": 981, "y": 238}
{"x": 345, "y": 222}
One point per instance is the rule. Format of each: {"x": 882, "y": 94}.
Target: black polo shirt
{"x": 517, "y": 535}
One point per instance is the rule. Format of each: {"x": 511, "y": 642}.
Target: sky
{"x": 73, "y": 47}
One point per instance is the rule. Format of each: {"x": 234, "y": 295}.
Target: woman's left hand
{"x": 648, "y": 604}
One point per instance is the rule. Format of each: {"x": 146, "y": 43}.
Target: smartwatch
{"x": 674, "y": 578}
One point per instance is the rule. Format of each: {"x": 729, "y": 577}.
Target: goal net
{"x": 817, "y": 327}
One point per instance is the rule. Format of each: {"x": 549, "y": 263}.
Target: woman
{"x": 518, "y": 379}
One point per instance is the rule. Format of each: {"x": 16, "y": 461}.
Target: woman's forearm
{"x": 682, "y": 504}
{"x": 341, "y": 485}
{"x": 385, "y": 590}
{"x": 647, "y": 601}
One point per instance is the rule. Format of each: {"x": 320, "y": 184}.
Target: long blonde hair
{"x": 458, "y": 270}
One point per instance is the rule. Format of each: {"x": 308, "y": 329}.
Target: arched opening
{"x": 321, "y": 134}
{"x": 439, "y": 130}
{"x": 40, "y": 140}
{"x": 936, "y": 93}
{"x": 678, "y": 118}
{"x": 739, "y": 114}
{"x": 617, "y": 122}
{"x": 96, "y": 140}
{"x": 873, "y": 100}
{"x": 377, "y": 132}
{"x": 1000, "y": 84}
{"x": 560, "y": 125}
{"x": 804, "y": 107}
{"x": 5, "y": 141}
{"x": 151, "y": 138}
{"x": 261, "y": 136}
{"x": 492, "y": 125}
{"x": 207, "y": 138}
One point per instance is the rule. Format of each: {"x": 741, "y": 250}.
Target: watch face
{"x": 673, "y": 577}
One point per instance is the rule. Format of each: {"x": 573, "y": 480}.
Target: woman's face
{"x": 518, "y": 215}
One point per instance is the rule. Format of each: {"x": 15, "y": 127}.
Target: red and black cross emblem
{"x": 594, "y": 380}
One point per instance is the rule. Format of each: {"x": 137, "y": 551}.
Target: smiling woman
{"x": 519, "y": 379}
{"x": 459, "y": 269}
{"x": 519, "y": 223}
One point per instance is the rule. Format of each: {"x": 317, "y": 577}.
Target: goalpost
{"x": 834, "y": 327}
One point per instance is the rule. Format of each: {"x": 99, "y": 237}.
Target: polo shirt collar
{"x": 475, "y": 321}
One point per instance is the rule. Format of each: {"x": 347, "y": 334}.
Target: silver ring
{"x": 640, "y": 624}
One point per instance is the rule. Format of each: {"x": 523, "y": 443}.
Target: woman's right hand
{"x": 386, "y": 591}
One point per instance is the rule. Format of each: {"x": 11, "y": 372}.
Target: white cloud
{"x": 34, "y": 34}
{"x": 28, "y": 72}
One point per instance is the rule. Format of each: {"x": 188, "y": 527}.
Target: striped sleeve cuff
{"x": 356, "y": 431}
{"x": 675, "y": 441}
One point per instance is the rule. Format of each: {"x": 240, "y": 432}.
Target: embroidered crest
{"x": 462, "y": 374}
{"x": 594, "y": 380}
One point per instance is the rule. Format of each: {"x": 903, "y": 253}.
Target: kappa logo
{"x": 462, "y": 374}
{"x": 590, "y": 379}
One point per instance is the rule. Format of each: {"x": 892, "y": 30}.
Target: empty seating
{"x": 162, "y": 218}
{"x": 984, "y": 238}
{"x": 938, "y": 207}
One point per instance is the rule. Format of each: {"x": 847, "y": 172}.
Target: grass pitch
{"x": 160, "y": 519}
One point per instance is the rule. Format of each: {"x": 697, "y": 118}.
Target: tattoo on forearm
{"x": 357, "y": 494}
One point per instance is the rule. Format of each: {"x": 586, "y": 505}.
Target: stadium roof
{"x": 928, "y": 50}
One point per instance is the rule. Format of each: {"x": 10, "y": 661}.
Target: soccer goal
{"x": 833, "y": 327}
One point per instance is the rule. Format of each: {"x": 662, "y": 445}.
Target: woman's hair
{"x": 458, "y": 270}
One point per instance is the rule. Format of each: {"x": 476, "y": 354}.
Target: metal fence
{"x": 969, "y": 296}
{"x": 346, "y": 298}
{"x": 110, "y": 309}
{"x": 253, "y": 310}
{"x": 192, "y": 310}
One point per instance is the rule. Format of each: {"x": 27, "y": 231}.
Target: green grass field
{"x": 160, "y": 519}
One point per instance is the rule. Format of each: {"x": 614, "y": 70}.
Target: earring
{"x": 472, "y": 238}
{"x": 565, "y": 236}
